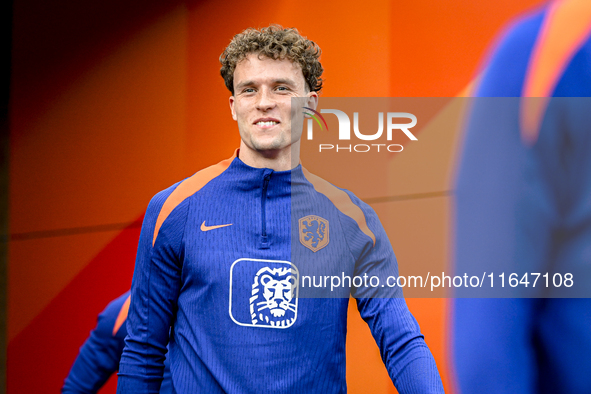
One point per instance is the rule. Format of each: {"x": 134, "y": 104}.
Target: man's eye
{"x": 248, "y": 90}
{"x": 282, "y": 88}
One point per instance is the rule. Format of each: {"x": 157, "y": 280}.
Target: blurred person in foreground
{"x": 523, "y": 205}
{"x": 99, "y": 356}
{"x": 216, "y": 261}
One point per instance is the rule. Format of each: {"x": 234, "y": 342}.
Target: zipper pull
{"x": 264, "y": 242}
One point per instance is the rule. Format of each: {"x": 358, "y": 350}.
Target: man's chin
{"x": 269, "y": 148}
{"x": 269, "y": 151}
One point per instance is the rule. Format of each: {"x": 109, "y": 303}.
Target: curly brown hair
{"x": 274, "y": 42}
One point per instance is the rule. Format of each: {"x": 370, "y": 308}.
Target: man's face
{"x": 261, "y": 104}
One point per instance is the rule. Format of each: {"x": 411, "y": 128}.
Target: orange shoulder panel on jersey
{"x": 121, "y": 316}
{"x": 565, "y": 29}
{"x": 189, "y": 187}
{"x": 341, "y": 201}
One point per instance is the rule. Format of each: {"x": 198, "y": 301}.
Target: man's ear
{"x": 232, "y": 99}
{"x": 312, "y": 101}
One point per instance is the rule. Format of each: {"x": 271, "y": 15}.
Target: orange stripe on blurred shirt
{"x": 122, "y": 316}
{"x": 565, "y": 29}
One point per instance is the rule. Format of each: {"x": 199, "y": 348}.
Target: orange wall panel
{"x": 95, "y": 155}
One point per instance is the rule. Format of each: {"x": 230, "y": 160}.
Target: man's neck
{"x": 280, "y": 160}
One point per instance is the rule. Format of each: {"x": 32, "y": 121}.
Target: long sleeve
{"x": 154, "y": 294}
{"x": 99, "y": 357}
{"x": 409, "y": 361}
{"x": 407, "y": 358}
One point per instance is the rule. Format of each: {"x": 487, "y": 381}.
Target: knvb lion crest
{"x": 313, "y": 232}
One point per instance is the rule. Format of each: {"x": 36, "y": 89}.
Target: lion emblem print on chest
{"x": 273, "y": 300}
{"x": 264, "y": 293}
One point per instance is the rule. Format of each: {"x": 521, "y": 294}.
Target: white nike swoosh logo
{"x": 207, "y": 228}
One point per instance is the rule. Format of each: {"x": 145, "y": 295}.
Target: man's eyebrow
{"x": 245, "y": 83}
{"x": 285, "y": 81}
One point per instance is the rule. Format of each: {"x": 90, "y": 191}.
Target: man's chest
{"x": 234, "y": 243}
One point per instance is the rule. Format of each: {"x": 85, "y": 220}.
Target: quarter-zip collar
{"x": 268, "y": 186}
{"x": 247, "y": 177}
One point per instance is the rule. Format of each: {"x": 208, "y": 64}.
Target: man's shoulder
{"x": 173, "y": 201}
{"x": 185, "y": 188}
{"x": 197, "y": 181}
{"x": 352, "y": 208}
{"x": 341, "y": 198}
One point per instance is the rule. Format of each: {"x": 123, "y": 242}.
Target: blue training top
{"x": 221, "y": 259}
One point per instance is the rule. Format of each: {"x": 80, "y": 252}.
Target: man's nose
{"x": 265, "y": 100}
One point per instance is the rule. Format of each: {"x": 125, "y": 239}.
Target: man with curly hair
{"x": 219, "y": 258}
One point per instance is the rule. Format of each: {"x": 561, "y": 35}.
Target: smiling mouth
{"x": 269, "y": 123}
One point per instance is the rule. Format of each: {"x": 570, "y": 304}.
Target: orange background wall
{"x": 113, "y": 101}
